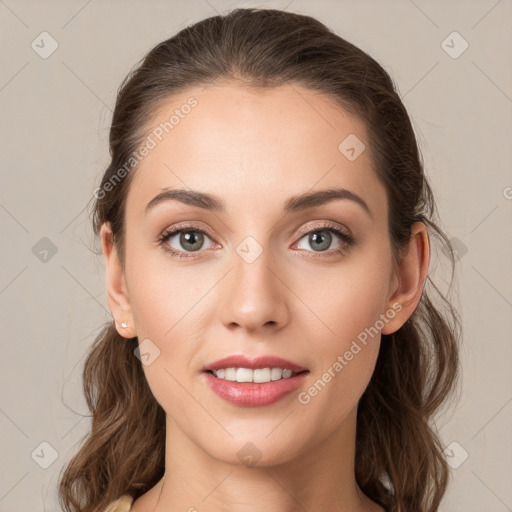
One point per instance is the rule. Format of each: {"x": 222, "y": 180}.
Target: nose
{"x": 254, "y": 296}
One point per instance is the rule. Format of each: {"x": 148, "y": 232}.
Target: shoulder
{"x": 122, "y": 504}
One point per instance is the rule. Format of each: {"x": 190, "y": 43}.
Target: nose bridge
{"x": 255, "y": 295}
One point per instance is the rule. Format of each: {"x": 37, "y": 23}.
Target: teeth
{"x": 244, "y": 375}
{"x": 259, "y": 375}
{"x": 276, "y": 373}
{"x": 230, "y": 374}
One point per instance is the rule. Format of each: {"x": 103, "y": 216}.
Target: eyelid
{"x": 183, "y": 226}
{"x": 324, "y": 224}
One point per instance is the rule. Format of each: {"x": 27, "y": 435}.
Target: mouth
{"x": 253, "y": 382}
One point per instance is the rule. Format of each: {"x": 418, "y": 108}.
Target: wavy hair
{"x": 399, "y": 460}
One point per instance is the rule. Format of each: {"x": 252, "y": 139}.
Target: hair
{"x": 399, "y": 460}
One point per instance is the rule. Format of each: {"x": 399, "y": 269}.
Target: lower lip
{"x": 249, "y": 394}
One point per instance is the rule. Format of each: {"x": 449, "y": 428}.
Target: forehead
{"x": 255, "y": 147}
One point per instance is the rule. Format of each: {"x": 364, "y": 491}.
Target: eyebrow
{"x": 293, "y": 204}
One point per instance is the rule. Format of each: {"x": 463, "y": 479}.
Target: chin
{"x": 259, "y": 452}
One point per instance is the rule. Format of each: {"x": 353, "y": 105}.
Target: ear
{"x": 410, "y": 274}
{"x": 117, "y": 292}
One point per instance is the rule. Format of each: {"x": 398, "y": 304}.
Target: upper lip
{"x": 240, "y": 361}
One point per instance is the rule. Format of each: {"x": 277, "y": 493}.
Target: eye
{"x": 321, "y": 238}
{"x": 190, "y": 238}
{"x": 183, "y": 241}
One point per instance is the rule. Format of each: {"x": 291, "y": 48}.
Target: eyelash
{"x": 346, "y": 239}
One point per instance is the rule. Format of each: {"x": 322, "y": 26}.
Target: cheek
{"x": 160, "y": 295}
{"x": 160, "y": 309}
{"x": 343, "y": 301}
{"x": 345, "y": 355}
{"x": 165, "y": 302}
{"x": 348, "y": 303}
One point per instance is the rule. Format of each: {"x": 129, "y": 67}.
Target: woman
{"x": 246, "y": 368}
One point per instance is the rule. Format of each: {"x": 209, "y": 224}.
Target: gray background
{"x": 54, "y": 130}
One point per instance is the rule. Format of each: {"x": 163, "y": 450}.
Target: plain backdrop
{"x": 56, "y": 100}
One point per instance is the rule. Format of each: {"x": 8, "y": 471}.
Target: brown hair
{"x": 399, "y": 462}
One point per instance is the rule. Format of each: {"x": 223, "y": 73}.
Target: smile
{"x": 247, "y": 392}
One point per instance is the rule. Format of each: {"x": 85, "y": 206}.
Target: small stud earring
{"x": 124, "y": 325}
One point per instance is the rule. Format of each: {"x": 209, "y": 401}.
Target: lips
{"x": 252, "y": 394}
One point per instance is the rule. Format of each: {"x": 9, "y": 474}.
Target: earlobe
{"x": 412, "y": 273}
{"x": 117, "y": 293}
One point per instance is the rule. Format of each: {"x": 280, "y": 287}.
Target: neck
{"x": 321, "y": 479}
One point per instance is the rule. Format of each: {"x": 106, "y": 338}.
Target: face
{"x": 266, "y": 274}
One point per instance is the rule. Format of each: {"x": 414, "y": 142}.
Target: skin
{"x": 254, "y": 149}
